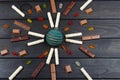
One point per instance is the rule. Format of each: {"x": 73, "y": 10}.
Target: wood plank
{"x": 106, "y": 28}
{"x": 102, "y": 10}
{"x": 105, "y": 48}
{"x": 97, "y": 68}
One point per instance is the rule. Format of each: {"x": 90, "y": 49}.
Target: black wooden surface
{"x": 105, "y": 19}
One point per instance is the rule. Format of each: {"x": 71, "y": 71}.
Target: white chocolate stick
{"x": 49, "y": 56}
{"x": 85, "y": 5}
{"x": 85, "y": 73}
{"x": 35, "y": 42}
{"x": 57, "y": 20}
{"x": 15, "y": 73}
{"x": 73, "y": 41}
{"x": 18, "y": 10}
{"x": 36, "y": 34}
{"x": 50, "y": 20}
{"x": 73, "y": 35}
{"x": 56, "y": 56}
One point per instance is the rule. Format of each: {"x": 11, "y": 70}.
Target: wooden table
{"x": 105, "y": 19}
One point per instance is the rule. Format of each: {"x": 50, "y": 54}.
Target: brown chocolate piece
{"x": 68, "y": 8}
{"x": 53, "y": 6}
{"x": 83, "y": 22}
{"x": 4, "y": 52}
{"x": 89, "y": 11}
{"x": 38, "y": 9}
{"x": 23, "y": 53}
{"x": 87, "y": 52}
{"x": 21, "y": 38}
{"x": 38, "y": 69}
{"x": 92, "y": 37}
{"x": 16, "y": 31}
{"x": 22, "y": 25}
{"x": 68, "y": 69}
{"x": 53, "y": 72}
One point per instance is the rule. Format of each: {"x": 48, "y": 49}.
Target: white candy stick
{"x": 35, "y": 42}
{"x": 73, "y": 41}
{"x": 56, "y": 56}
{"x": 57, "y": 20}
{"x": 85, "y": 5}
{"x": 18, "y": 10}
{"x": 85, "y": 73}
{"x": 15, "y": 73}
{"x": 36, "y": 34}
{"x": 73, "y": 35}
{"x": 49, "y": 56}
{"x": 50, "y": 20}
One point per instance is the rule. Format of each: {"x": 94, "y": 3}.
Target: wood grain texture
{"x": 106, "y": 28}
{"x": 107, "y": 69}
{"x": 105, "y": 19}
{"x": 105, "y": 48}
{"x": 102, "y": 10}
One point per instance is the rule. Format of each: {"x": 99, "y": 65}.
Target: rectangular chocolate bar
{"x": 38, "y": 69}
{"x": 53, "y": 6}
{"x": 91, "y": 37}
{"x": 22, "y": 25}
{"x": 21, "y": 38}
{"x": 87, "y": 52}
{"x": 53, "y": 72}
{"x": 68, "y": 8}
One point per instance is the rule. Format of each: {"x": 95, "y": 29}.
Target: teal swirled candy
{"x": 54, "y": 37}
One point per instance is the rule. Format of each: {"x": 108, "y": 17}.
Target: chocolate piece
{"x": 22, "y": 25}
{"x": 38, "y": 9}
{"x": 68, "y": 69}
{"x": 53, "y": 72}
{"x": 4, "y": 52}
{"x": 68, "y": 8}
{"x": 38, "y": 69}
{"x": 53, "y": 6}
{"x": 92, "y": 37}
{"x": 83, "y": 22}
{"x": 89, "y": 11}
{"x": 22, "y": 53}
{"x": 87, "y": 52}
{"x": 16, "y": 31}
{"x": 21, "y": 38}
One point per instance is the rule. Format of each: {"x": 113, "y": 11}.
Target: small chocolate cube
{"x": 68, "y": 69}
{"x": 4, "y": 52}
{"x": 16, "y": 31}
{"x": 83, "y": 22}
{"x": 22, "y": 53}
{"x": 89, "y": 11}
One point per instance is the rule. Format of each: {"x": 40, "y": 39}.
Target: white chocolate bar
{"x": 50, "y": 20}
{"x": 15, "y": 73}
{"x": 36, "y": 34}
{"x": 56, "y": 56}
{"x": 73, "y": 35}
{"x": 85, "y": 73}
{"x": 49, "y": 56}
{"x": 57, "y": 20}
{"x": 73, "y": 41}
{"x": 85, "y": 5}
{"x": 18, "y": 10}
{"x": 35, "y": 42}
